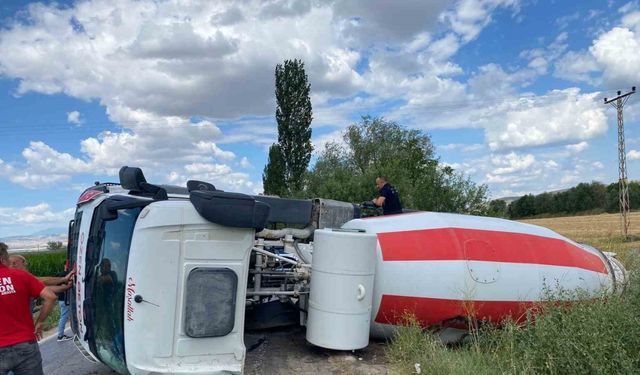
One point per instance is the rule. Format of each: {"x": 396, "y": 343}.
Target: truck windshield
{"x": 109, "y": 282}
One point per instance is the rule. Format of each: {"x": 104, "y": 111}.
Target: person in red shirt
{"x": 19, "y": 351}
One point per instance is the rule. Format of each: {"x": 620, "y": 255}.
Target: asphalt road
{"x": 62, "y": 358}
{"x": 283, "y": 352}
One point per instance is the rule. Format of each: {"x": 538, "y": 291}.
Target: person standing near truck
{"x": 19, "y": 351}
{"x": 64, "y": 312}
{"x": 388, "y": 197}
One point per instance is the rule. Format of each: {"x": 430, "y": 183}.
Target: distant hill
{"x": 515, "y": 198}
{"x": 36, "y": 241}
{"x": 509, "y": 199}
{"x": 50, "y": 232}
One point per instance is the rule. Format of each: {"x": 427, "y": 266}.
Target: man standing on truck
{"x": 388, "y": 197}
{"x": 19, "y": 351}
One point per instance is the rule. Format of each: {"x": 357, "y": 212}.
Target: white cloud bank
{"x": 165, "y": 70}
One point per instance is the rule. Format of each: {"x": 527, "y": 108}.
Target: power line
{"x": 623, "y": 188}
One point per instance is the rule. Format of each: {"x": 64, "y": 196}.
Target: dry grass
{"x": 601, "y": 231}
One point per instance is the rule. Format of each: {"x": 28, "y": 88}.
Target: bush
{"x": 46, "y": 263}
{"x": 55, "y": 246}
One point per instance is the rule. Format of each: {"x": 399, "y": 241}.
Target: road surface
{"x": 275, "y": 352}
{"x": 62, "y": 358}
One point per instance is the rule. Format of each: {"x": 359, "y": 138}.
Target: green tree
{"x": 273, "y": 179}
{"x": 55, "y": 246}
{"x": 294, "y": 115}
{"x": 497, "y": 208}
{"x": 522, "y": 207}
{"x": 373, "y": 147}
{"x": 543, "y": 203}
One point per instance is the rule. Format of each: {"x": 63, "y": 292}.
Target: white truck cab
{"x": 160, "y": 289}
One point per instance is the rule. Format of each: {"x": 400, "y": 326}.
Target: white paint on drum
{"x": 449, "y": 279}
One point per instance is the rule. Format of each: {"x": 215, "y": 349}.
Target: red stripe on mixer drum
{"x": 429, "y": 311}
{"x": 485, "y": 245}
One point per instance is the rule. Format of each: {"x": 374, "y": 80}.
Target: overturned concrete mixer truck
{"x": 168, "y": 277}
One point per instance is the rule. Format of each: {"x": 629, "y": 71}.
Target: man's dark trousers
{"x": 23, "y": 358}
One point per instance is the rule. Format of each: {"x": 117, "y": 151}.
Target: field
{"x": 601, "y": 231}
{"x": 596, "y": 336}
{"x": 46, "y": 263}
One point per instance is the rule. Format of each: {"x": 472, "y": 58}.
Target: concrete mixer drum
{"x": 481, "y": 271}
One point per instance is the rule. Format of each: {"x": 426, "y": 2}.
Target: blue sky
{"x": 509, "y": 90}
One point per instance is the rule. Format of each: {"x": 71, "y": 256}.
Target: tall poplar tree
{"x": 273, "y": 179}
{"x": 294, "y": 115}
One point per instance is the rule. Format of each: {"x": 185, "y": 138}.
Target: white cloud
{"x": 44, "y": 167}
{"x": 577, "y": 147}
{"x": 462, "y": 147}
{"x": 73, "y": 117}
{"x": 38, "y": 214}
{"x": 5, "y": 169}
{"x": 564, "y": 21}
{"x": 365, "y": 23}
{"x": 169, "y": 58}
{"x": 612, "y": 58}
{"x": 541, "y": 58}
{"x": 491, "y": 81}
{"x": 218, "y": 174}
{"x": 576, "y": 66}
{"x": 569, "y": 179}
{"x": 633, "y": 155}
{"x": 471, "y": 16}
{"x": 245, "y": 163}
{"x": 541, "y": 170}
{"x": 320, "y": 142}
{"x": 562, "y": 115}
{"x": 151, "y": 142}
{"x": 512, "y": 162}
{"x": 616, "y": 52}
{"x": 444, "y": 48}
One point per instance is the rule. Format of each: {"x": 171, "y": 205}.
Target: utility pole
{"x": 623, "y": 188}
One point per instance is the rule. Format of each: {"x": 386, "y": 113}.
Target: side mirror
{"x": 132, "y": 178}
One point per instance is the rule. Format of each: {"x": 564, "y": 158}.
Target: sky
{"x": 510, "y": 91}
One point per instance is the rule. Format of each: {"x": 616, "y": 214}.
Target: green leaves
{"x": 273, "y": 176}
{"x": 373, "y": 147}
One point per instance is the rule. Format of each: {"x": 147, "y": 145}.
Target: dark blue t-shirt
{"x": 391, "y": 203}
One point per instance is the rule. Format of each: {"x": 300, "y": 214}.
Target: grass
{"x": 53, "y": 318}
{"x": 594, "y": 336}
